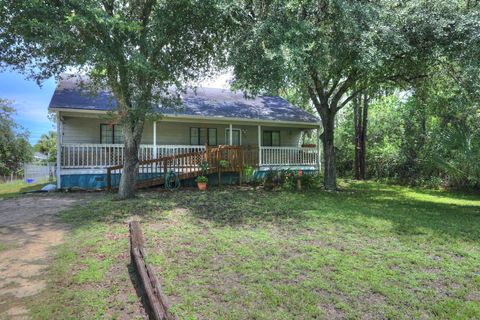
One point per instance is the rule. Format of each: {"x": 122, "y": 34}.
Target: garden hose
{"x": 171, "y": 181}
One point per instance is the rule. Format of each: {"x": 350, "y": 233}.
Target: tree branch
{"x": 340, "y": 92}
{"x": 316, "y": 102}
{"x": 334, "y": 86}
{"x": 318, "y": 87}
{"x": 344, "y": 102}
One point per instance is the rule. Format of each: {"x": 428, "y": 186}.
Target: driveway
{"x": 29, "y": 229}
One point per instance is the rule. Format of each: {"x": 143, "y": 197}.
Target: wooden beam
{"x": 156, "y": 299}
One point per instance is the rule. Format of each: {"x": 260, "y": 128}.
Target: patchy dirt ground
{"x": 29, "y": 229}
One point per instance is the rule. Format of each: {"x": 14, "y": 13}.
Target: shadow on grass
{"x": 408, "y": 210}
{"x": 139, "y": 289}
{"x": 410, "y": 216}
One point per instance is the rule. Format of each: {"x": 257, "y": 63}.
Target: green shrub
{"x": 201, "y": 179}
{"x": 204, "y": 167}
{"x": 248, "y": 171}
{"x": 223, "y": 163}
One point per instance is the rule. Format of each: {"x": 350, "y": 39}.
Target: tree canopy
{"x": 14, "y": 147}
{"x": 137, "y": 49}
{"x": 47, "y": 144}
{"x": 332, "y": 50}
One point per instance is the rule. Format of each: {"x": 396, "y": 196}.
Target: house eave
{"x": 203, "y": 119}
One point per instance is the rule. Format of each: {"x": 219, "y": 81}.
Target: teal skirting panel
{"x": 96, "y": 180}
{"x": 99, "y": 181}
{"x": 84, "y": 181}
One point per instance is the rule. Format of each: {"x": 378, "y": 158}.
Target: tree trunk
{"x": 330, "y": 176}
{"x": 360, "y": 119}
{"x": 328, "y": 97}
{"x": 128, "y": 179}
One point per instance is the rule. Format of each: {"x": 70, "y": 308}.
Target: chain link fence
{"x": 38, "y": 172}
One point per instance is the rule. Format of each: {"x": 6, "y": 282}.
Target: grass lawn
{"x": 369, "y": 251}
{"x": 15, "y": 188}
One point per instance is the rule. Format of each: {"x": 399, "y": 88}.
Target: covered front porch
{"x": 89, "y": 143}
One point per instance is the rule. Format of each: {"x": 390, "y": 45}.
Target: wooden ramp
{"x": 186, "y": 166}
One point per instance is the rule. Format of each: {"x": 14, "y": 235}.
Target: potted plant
{"x": 202, "y": 183}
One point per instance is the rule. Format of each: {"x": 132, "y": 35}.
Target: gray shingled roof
{"x": 204, "y": 102}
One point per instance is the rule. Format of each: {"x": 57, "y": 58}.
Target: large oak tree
{"x": 332, "y": 50}
{"x": 137, "y": 49}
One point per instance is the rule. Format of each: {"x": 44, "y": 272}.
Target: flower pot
{"x": 309, "y": 145}
{"x": 202, "y": 186}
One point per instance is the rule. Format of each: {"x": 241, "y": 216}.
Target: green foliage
{"x": 139, "y": 51}
{"x": 47, "y": 144}
{"x": 426, "y": 136}
{"x": 204, "y": 167}
{"x": 14, "y": 147}
{"x": 310, "y": 181}
{"x": 323, "y": 53}
{"x": 287, "y": 179}
{"x": 201, "y": 179}
{"x": 248, "y": 171}
{"x": 273, "y": 178}
{"x": 223, "y": 163}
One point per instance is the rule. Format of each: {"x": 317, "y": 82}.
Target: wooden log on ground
{"x": 155, "y": 296}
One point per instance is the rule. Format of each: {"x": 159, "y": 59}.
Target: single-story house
{"x": 88, "y": 144}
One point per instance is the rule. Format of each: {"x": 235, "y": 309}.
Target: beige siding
{"x": 81, "y": 130}
{"x": 179, "y": 133}
{"x": 87, "y": 130}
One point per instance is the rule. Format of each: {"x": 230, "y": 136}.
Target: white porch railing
{"x": 288, "y": 156}
{"x": 104, "y": 155}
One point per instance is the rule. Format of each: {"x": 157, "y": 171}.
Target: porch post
{"x": 319, "y": 161}
{"x": 154, "y": 139}
{"x": 259, "y": 145}
{"x": 59, "y": 150}
{"x": 231, "y": 134}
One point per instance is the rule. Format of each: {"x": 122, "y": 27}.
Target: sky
{"x": 30, "y": 101}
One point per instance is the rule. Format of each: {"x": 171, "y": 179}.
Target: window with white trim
{"x": 271, "y": 138}
{"x": 197, "y": 136}
{"x": 111, "y": 133}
